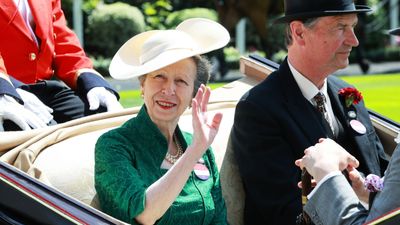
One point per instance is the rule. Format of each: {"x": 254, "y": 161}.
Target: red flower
{"x": 350, "y": 95}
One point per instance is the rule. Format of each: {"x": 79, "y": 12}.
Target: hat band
{"x": 157, "y": 50}
{"x": 325, "y": 7}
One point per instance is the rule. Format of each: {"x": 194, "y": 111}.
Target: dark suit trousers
{"x": 66, "y": 104}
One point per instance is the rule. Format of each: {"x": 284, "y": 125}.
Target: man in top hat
{"x": 333, "y": 201}
{"x": 297, "y": 105}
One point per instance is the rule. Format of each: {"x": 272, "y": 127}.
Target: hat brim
{"x": 395, "y": 31}
{"x": 302, "y": 16}
{"x": 207, "y": 34}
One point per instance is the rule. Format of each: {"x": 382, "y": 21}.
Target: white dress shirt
{"x": 309, "y": 90}
{"x": 25, "y": 11}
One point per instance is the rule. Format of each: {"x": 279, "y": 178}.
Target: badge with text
{"x": 201, "y": 171}
{"x": 358, "y": 126}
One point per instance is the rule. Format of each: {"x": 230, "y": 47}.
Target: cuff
{"x": 331, "y": 174}
{"x": 89, "y": 80}
{"x": 16, "y": 83}
{"x": 7, "y": 88}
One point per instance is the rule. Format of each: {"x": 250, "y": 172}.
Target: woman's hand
{"x": 205, "y": 126}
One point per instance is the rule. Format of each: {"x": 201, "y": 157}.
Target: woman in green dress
{"x": 148, "y": 171}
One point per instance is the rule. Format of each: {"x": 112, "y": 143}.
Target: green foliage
{"x": 384, "y": 54}
{"x": 231, "y": 54}
{"x": 130, "y": 2}
{"x": 276, "y": 40}
{"x": 156, "y": 13}
{"x": 381, "y": 54}
{"x": 376, "y": 23}
{"x": 109, "y": 26}
{"x": 279, "y": 56}
{"x": 177, "y": 17}
{"x": 101, "y": 65}
{"x": 66, "y": 6}
{"x": 89, "y": 5}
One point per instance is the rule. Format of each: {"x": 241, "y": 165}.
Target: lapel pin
{"x": 352, "y": 114}
{"x": 201, "y": 161}
{"x": 201, "y": 171}
{"x": 358, "y": 126}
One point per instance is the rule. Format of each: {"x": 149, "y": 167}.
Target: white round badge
{"x": 358, "y": 126}
{"x": 201, "y": 171}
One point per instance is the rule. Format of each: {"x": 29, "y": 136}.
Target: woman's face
{"x": 168, "y": 91}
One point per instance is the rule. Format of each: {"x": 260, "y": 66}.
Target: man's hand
{"x": 325, "y": 157}
{"x": 100, "y": 96}
{"x": 33, "y": 104}
{"x": 357, "y": 183}
{"x": 10, "y": 109}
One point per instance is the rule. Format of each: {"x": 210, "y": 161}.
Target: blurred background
{"x": 104, "y": 25}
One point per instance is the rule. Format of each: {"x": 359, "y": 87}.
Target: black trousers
{"x": 66, "y": 103}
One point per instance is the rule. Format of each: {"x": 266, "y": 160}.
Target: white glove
{"x": 100, "y": 96}
{"x": 10, "y": 109}
{"x": 33, "y": 104}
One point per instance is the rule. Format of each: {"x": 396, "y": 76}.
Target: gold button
{"x": 54, "y": 17}
{"x": 55, "y": 36}
{"x": 32, "y": 56}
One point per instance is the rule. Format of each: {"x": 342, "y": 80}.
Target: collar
{"x": 149, "y": 132}
{"x": 307, "y": 88}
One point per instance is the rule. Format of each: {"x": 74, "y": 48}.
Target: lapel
{"x": 337, "y": 105}
{"x": 14, "y": 18}
{"x": 362, "y": 141}
{"x": 42, "y": 16}
{"x": 299, "y": 108}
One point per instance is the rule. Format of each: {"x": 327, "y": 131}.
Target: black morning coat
{"x": 273, "y": 126}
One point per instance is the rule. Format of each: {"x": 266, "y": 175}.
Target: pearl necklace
{"x": 173, "y": 158}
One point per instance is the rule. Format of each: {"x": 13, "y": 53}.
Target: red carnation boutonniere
{"x": 350, "y": 95}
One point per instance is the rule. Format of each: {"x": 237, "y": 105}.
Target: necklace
{"x": 173, "y": 158}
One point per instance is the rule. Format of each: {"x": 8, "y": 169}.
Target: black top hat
{"x": 304, "y": 9}
{"x": 395, "y": 31}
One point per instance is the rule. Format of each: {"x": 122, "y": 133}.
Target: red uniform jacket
{"x": 59, "y": 53}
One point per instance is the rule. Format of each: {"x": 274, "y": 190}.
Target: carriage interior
{"x": 62, "y": 156}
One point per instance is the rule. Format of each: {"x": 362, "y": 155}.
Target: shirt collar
{"x": 307, "y": 88}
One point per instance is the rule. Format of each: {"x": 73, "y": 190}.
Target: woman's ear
{"x": 141, "y": 91}
{"x": 142, "y": 79}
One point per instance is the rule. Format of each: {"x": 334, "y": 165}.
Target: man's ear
{"x": 298, "y": 33}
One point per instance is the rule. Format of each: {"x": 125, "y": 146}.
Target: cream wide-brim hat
{"x": 153, "y": 50}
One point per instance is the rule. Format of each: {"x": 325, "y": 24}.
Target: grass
{"x": 381, "y": 93}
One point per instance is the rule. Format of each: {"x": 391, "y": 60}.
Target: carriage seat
{"x": 68, "y": 165}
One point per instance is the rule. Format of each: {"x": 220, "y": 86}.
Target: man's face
{"x": 329, "y": 42}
